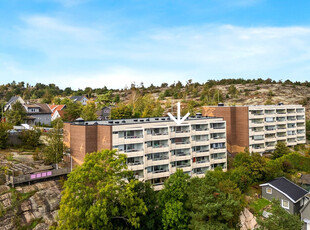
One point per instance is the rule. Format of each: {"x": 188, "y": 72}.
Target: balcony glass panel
{"x": 257, "y": 121}
{"x": 181, "y": 164}
{"x": 257, "y": 112}
{"x": 180, "y": 129}
{"x": 218, "y": 125}
{"x": 281, "y": 119}
{"x": 218, "y": 156}
{"x": 180, "y": 141}
{"x": 201, "y": 170}
{"x": 291, "y": 125}
{"x": 201, "y": 160}
{"x": 134, "y": 160}
{"x": 157, "y": 131}
{"x": 200, "y": 138}
{"x": 218, "y": 145}
{"x": 158, "y": 156}
{"x": 281, "y": 111}
{"x": 200, "y": 127}
{"x": 157, "y": 144}
{"x": 270, "y": 127}
{"x": 201, "y": 149}
{"x": 158, "y": 169}
{"x": 180, "y": 152}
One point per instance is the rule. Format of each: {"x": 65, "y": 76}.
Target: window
{"x": 269, "y": 190}
{"x": 285, "y": 204}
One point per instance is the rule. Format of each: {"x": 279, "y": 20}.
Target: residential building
{"x": 292, "y": 197}
{"x": 56, "y": 111}
{"x": 12, "y": 101}
{"x": 155, "y": 147}
{"x": 38, "y": 114}
{"x": 104, "y": 113}
{"x": 81, "y": 99}
{"x": 260, "y": 127}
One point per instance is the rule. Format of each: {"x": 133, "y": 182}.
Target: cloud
{"x": 105, "y": 55}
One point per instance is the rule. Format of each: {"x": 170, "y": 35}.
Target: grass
{"x": 259, "y": 204}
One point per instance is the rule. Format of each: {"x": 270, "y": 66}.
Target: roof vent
{"x": 136, "y": 120}
{"x": 156, "y": 119}
{"x": 141, "y": 120}
{"x": 280, "y": 103}
{"x": 220, "y": 104}
{"x": 198, "y": 115}
{"x": 123, "y": 121}
{"x": 163, "y": 119}
{"x": 110, "y": 122}
{"x": 147, "y": 119}
{"x": 116, "y": 122}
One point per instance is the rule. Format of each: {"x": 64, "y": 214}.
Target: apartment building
{"x": 260, "y": 127}
{"x": 155, "y": 147}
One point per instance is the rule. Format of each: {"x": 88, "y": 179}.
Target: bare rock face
{"x": 37, "y": 202}
{"x": 247, "y": 220}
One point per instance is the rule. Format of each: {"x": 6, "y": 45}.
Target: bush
{"x": 30, "y": 138}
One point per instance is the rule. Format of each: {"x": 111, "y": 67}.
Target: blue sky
{"x": 113, "y": 43}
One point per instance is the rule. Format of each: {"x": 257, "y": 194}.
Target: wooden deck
{"x": 36, "y": 177}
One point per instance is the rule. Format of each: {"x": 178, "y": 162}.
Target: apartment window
{"x": 269, "y": 190}
{"x": 269, "y": 119}
{"x": 285, "y": 204}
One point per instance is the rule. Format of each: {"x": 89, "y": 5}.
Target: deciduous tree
{"x": 17, "y": 114}
{"x": 98, "y": 196}
{"x": 89, "y": 112}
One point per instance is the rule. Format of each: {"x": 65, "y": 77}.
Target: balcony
{"x": 300, "y": 110}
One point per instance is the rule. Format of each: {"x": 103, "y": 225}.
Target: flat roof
{"x": 278, "y": 106}
{"x": 141, "y": 120}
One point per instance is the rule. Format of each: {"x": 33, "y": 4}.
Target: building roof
{"x": 55, "y": 108}
{"x": 77, "y": 98}
{"x": 13, "y": 100}
{"x": 44, "y": 109}
{"x": 287, "y": 188}
{"x": 142, "y": 120}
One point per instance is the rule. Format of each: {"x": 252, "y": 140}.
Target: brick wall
{"x": 237, "y": 125}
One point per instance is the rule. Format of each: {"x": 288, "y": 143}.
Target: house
{"x": 156, "y": 147}
{"x": 38, "y": 114}
{"x": 305, "y": 216}
{"x": 12, "y": 101}
{"x": 81, "y": 99}
{"x": 291, "y": 196}
{"x": 55, "y": 110}
{"x": 260, "y": 127}
{"x": 104, "y": 113}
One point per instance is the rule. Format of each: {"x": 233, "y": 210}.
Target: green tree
{"x": 17, "y": 114}
{"x": 214, "y": 201}
{"x": 172, "y": 201}
{"x": 89, "y": 112}
{"x": 122, "y": 111}
{"x": 4, "y": 135}
{"x": 97, "y": 195}
{"x": 104, "y": 100}
{"x": 30, "y": 138}
{"x": 280, "y": 150}
{"x": 152, "y": 218}
{"x": 280, "y": 219}
{"x": 55, "y": 148}
{"x": 72, "y": 111}
{"x": 308, "y": 129}
{"x": 241, "y": 177}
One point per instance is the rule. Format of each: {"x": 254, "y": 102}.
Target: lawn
{"x": 259, "y": 204}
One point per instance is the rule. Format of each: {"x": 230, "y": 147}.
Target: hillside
{"x": 191, "y": 95}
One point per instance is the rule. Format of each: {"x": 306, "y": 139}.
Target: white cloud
{"x": 102, "y": 55}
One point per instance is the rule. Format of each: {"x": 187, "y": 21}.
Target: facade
{"x": 155, "y": 147}
{"x": 260, "y": 127}
{"x": 305, "y": 216}
{"x": 292, "y": 197}
{"x": 38, "y": 114}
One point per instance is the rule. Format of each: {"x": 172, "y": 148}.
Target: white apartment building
{"x": 260, "y": 127}
{"x": 157, "y": 147}
{"x": 269, "y": 124}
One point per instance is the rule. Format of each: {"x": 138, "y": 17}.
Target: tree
{"x": 104, "y": 100}
{"x": 89, "y": 112}
{"x": 280, "y": 150}
{"x": 100, "y": 194}
{"x": 17, "y": 114}
{"x": 31, "y": 138}
{"x": 4, "y": 135}
{"x": 308, "y": 129}
{"x": 122, "y": 111}
{"x": 214, "y": 201}
{"x": 72, "y": 111}
{"x": 55, "y": 148}
{"x": 152, "y": 218}
{"x": 280, "y": 219}
{"x": 241, "y": 177}
{"x": 172, "y": 201}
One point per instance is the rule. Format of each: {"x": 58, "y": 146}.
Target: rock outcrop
{"x": 25, "y": 205}
{"x": 247, "y": 220}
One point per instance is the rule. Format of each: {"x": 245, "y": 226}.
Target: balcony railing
{"x": 182, "y": 143}
{"x": 135, "y": 163}
{"x": 181, "y": 131}
{"x": 132, "y": 137}
{"x": 183, "y": 166}
{"x": 132, "y": 150}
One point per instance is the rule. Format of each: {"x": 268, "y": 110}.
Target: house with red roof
{"x": 57, "y": 111}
